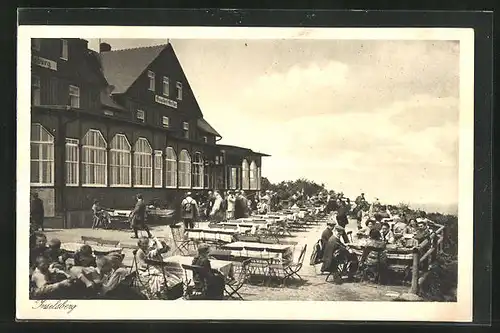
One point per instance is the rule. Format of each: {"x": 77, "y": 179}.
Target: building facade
{"x": 108, "y": 125}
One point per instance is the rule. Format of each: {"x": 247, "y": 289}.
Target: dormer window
{"x": 64, "y": 49}
{"x": 166, "y": 86}
{"x": 179, "y": 91}
{"x": 151, "y": 76}
{"x": 140, "y": 115}
{"x": 165, "y": 122}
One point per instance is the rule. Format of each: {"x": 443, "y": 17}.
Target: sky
{"x": 374, "y": 116}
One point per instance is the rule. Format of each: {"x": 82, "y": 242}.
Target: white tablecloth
{"x": 211, "y": 234}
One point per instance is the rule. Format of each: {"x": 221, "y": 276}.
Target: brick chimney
{"x": 104, "y": 47}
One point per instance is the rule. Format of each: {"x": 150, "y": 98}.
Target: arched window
{"x": 158, "y": 164}
{"x": 253, "y": 176}
{"x": 143, "y": 169}
{"x": 120, "y": 169}
{"x": 246, "y": 175}
{"x": 184, "y": 169}
{"x": 42, "y": 156}
{"x": 170, "y": 167}
{"x": 94, "y": 159}
{"x": 197, "y": 170}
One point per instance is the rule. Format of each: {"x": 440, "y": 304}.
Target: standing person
{"x": 37, "y": 211}
{"x": 244, "y": 203}
{"x": 342, "y": 218}
{"x": 138, "y": 217}
{"x": 231, "y": 201}
{"x": 216, "y": 213}
{"x": 189, "y": 211}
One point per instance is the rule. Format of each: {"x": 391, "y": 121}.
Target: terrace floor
{"x": 314, "y": 289}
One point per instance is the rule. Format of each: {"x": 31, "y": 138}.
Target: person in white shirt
{"x": 231, "y": 200}
{"x": 216, "y": 214}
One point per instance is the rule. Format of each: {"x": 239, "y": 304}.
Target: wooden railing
{"x": 424, "y": 256}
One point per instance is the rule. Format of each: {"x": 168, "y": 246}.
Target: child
{"x": 56, "y": 255}
{"x": 48, "y": 283}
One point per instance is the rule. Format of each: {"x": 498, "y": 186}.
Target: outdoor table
{"x": 223, "y": 266}
{"x": 98, "y": 249}
{"x": 243, "y": 226}
{"x": 211, "y": 234}
{"x": 262, "y": 251}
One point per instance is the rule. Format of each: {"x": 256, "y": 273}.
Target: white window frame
{"x": 92, "y": 149}
{"x": 253, "y": 176}
{"x": 171, "y": 160}
{"x": 166, "y": 86}
{"x": 143, "y": 118}
{"x": 36, "y": 44}
{"x": 144, "y": 155}
{"x": 158, "y": 171}
{"x": 40, "y": 144}
{"x": 152, "y": 81}
{"x": 245, "y": 179}
{"x": 178, "y": 85}
{"x": 120, "y": 151}
{"x": 74, "y": 95}
{"x": 72, "y": 144}
{"x": 167, "y": 121}
{"x": 36, "y": 88}
{"x": 64, "y": 49}
{"x": 184, "y": 169}
{"x": 198, "y": 170}
{"x": 185, "y": 128}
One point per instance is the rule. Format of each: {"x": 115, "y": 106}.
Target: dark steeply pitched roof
{"x": 205, "y": 126}
{"x": 240, "y": 150}
{"x": 123, "y": 67}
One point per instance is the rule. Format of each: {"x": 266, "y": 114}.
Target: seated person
{"x": 422, "y": 231}
{"x": 365, "y": 232}
{"x": 386, "y": 234}
{"x": 371, "y": 258}
{"x": 213, "y": 278}
{"x": 412, "y": 227}
{"x": 49, "y": 283}
{"x": 56, "y": 255}
{"x": 399, "y": 227}
{"x": 84, "y": 257}
{"x": 38, "y": 247}
{"x": 336, "y": 253}
{"x": 155, "y": 279}
{"x": 327, "y": 233}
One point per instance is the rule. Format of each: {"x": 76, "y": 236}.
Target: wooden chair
{"x": 232, "y": 287}
{"x": 374, "y": 272}
{"x": 181, "y": 244}
{"x": 199, "y": 290}
{"x": 292, "y": 270}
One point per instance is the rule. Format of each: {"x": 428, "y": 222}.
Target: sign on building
{"x": 165, "y": 101}
{"x": 46, "y": 63}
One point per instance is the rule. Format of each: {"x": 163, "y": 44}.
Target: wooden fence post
{"x": 414, "y": 270}
{"x": 434, "y": 248}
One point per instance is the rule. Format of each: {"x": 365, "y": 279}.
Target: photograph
{"x": 296, "y": 166}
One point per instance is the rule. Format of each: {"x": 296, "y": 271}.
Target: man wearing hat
{"x": 37, "y": 212}
{"x": 336, "y": 253}
{"x": 189, "y": 211}
{"x": 138, "y": 217}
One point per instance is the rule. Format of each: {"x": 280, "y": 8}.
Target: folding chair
{"x": 292, "y": 270}
{"x": 181, "y": 244}
{"x": 199, "y": 290}
{"x": 232, "y": 287}
{"x": 340, "y": 269}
